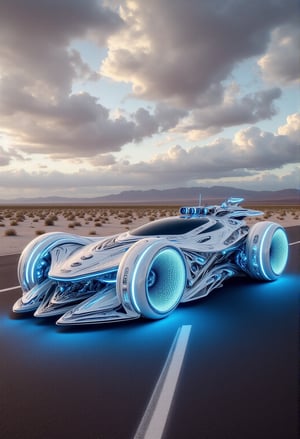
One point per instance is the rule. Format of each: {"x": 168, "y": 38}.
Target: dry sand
{"x": 29, "y": 222}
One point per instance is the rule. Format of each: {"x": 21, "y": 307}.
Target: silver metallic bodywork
{"x": 126, "y": 276}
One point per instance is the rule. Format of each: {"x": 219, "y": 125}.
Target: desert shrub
{"x": 77, "y": 224}
{"x": 71, "y": 225}
{"x": 98, "y": 224}
{"x": 10, "y": 232}
{"x": 20, "y": 217}
{"x": 49, "y": 222}
{"x": 268, "y": 214}
{"x": 14, "y": 223}
{"x": 40, "y": 232}
{"x": 2, "y": 224}
{"x": 126, "y": 221}
{"x": 92, "y": 232}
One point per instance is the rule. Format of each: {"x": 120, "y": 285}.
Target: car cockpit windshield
{"x": 169, "y": 226}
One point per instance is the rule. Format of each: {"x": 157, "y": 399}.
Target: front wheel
{"x": 152, "y": 278}
{"x": 266, "y": 250}
{"x": 35, "y": 260}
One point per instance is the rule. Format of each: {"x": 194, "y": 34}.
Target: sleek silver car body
{"x": 147, "y": 272}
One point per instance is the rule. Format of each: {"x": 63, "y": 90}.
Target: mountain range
{"x": 180, "y": 195}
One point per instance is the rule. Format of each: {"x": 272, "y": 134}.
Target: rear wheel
{"x": 267, "y": 251}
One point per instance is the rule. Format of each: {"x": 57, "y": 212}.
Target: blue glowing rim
{"x": 279, "y": 251}
{"x": 165, "y": 280}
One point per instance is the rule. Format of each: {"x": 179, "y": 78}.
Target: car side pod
{"x": 266, "y": 251}
{"x": 103, "y": 307}
{"x": 152, "y": 277}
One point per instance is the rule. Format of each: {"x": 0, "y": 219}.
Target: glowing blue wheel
{"x": 35, "y": 260}
{"x": 152, "y": 277}
{"x": 34, "y": 265}
{"x": 267, "y": 251}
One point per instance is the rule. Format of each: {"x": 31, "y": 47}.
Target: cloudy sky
{"x": 97, "y": 97}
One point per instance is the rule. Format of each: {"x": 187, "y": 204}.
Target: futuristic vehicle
{"x": 148, "y": 271}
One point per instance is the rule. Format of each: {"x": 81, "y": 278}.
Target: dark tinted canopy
{"x": 169, "y": 226}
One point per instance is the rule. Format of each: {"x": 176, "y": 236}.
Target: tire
{"x": 151, "y": 278}
{"x": 35, "y": 259}
{"x": 266, "y": 251}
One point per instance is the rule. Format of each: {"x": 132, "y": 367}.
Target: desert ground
{"x": 19, "y": 225}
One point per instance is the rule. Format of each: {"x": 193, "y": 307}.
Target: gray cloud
{"x": 280, "y": 64}
{"x": 251, "y": 150}
{"x": 252, "y": 153}
{"x": 7, "y": 155}
{"x": 182, "y": 51}
{"x": 4, "y": 157}
{"x": 163, "y": 119}
{"x": 35, "y": 36}
{"x": 249, "y": 109}
{"x": 178, "y": 53}
{"x": 77, "y": 125}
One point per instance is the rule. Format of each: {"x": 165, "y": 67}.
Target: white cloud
{"x": 280, "y": 64}
{"x": 233, "y": 111}
{"x": 292, "y": 128}
{"x": 77, "y": 125}
{"x": 251, "y": 156}
{"x": 178, "y": 55}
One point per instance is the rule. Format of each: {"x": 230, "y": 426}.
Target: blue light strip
{"x": 133, "y": 295}
{"x": 33, "y": 258}
{"x": 261, "y": 251}
{"x": 88, "y": 276}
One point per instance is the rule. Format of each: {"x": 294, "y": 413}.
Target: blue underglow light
{"x": 97, "y": 275}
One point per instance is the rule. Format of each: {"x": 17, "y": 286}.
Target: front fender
{"x": 35, "y": 259}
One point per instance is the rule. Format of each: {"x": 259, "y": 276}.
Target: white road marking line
{"x": 294, "y": 243}
{"x": 154, "y": 420}
{"x": 10, "y": 289}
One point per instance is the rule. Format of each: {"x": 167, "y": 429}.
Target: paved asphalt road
{"x": 239, "y": 380}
